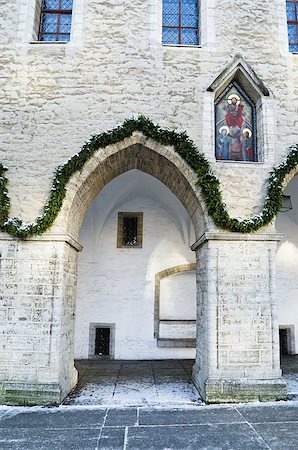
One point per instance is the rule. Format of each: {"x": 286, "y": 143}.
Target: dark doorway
{"x": 102, "y": 341}
{"x": 283, "y": 342}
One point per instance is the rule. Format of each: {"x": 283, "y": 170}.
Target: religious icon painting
{"x": 235, "y": 128}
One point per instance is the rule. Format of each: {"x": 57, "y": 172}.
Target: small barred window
{"x": 292, "y": 16}
{"x": 55, "y": 20}
{"x": 180, "y": 22}
{"x": 130, "y": 230}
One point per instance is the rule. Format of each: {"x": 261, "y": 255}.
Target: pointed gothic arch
{"x": 135, "y": 152}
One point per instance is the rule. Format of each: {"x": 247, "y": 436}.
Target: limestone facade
{"x": 54, "y": 97}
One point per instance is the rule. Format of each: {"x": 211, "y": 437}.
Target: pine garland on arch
{"x": 207, "y": 181}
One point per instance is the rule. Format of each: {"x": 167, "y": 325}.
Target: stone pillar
{"x": 237, "y": 330}
{"x": 37, "y": 307}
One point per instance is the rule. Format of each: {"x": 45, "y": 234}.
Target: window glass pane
{"x": 292, "y": 31}
{"x": 64, "y": 37}
{"x": 170, "y": 36}
{"x": 48, "y": 37}
{"x": 189, "y": 37}
{"x": 189, "y": 7}
{"x": 170, "y": 7}
{"x": 65, "y": 23}
{"x": 66, "y": 4}
{"x": 293, "y": 48}
{"x": 170, "y": 20}
{"x": 291, "y": 11}
{"x": 189, "y": 21}
{"x": 49, "y": 22}
{"x": 50, "y": 4}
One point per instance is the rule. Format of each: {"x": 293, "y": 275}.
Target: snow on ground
{"x": 144, "y": 392}
{"x": 136, "y": 393}
{"x": 292, "y": 383}
{"x": 157, "y": 387}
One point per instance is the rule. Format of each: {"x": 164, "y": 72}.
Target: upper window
{"x": 180, "y": 22}
{"x": 292, "y": 15}
{"x": 130, "y": 230}
{"x": 55, "y": 21}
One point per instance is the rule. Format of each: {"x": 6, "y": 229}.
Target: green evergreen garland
{"x": 207, "y": 181}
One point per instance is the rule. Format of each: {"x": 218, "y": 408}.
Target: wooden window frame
{"x": 121, "y": 216}
{"x": 59, "y": 12}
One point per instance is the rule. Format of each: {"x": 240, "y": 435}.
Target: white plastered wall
{"x": 116, "y": 285}
{"x": 178, "y": 296}
{"x": 287, "y": 262}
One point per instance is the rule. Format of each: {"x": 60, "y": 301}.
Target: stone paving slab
{"x": 201, "y": 415}
{"x": 112, "y": 438}
{"x": 121, "y": 417}
{"x": 54, "y": 418}
{"x": 48, "y": 439}
{"x": 274, "y": 413}
{"x": 211, "y": 437}
{"x": 234, "y": 427}
{"x": 279, "y": 436}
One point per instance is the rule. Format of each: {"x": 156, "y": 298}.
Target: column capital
{"x": 226, "y": 236}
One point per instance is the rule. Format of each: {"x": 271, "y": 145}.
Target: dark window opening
{"x": 180, "y": 22}
{"x": 130, "y": 230}
{"x": 292, "y": 16}
{"x": 55, "y": 20}
{"x": 102, "y": 341}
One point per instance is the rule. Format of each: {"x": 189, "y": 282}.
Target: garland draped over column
{"x": 207, "y": 181}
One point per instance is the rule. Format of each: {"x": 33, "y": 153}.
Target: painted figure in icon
{"x": 223, "y": 143}
{"x": 234, "y": 121}
{"x": 247, "y": 145}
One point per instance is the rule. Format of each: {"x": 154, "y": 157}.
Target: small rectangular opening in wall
{"x": 130, "y": 230}
{"x": 286, "y": 340}
{"x": 101, "y": 340}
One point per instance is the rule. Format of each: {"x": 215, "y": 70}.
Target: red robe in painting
{"x": 234, "y": 116}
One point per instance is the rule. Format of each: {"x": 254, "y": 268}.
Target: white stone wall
{"x": 37, "y": 294}
{"x": 178, "y": 296}
{"x": 287, "y": 263}
{"x": 54, "y": 96}
{"x": 116, "y": 285}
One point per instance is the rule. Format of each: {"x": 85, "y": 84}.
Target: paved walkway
{"x": 250, "y": 427}
{"x": 150, "y": 405}
{"x": 135, "y": 383}
{"x": 149, "y": 383}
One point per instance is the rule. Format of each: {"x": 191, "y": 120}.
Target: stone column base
{"x": 30, "y": 394}
{"x": 215, "y": 390}
{"x": 34, "y": 394}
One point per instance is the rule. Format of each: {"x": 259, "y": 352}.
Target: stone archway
{"x": 237, "y": 333}
{"x": 107, "y": 164}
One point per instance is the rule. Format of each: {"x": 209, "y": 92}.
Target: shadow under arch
{"x": 135, "y": 152}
